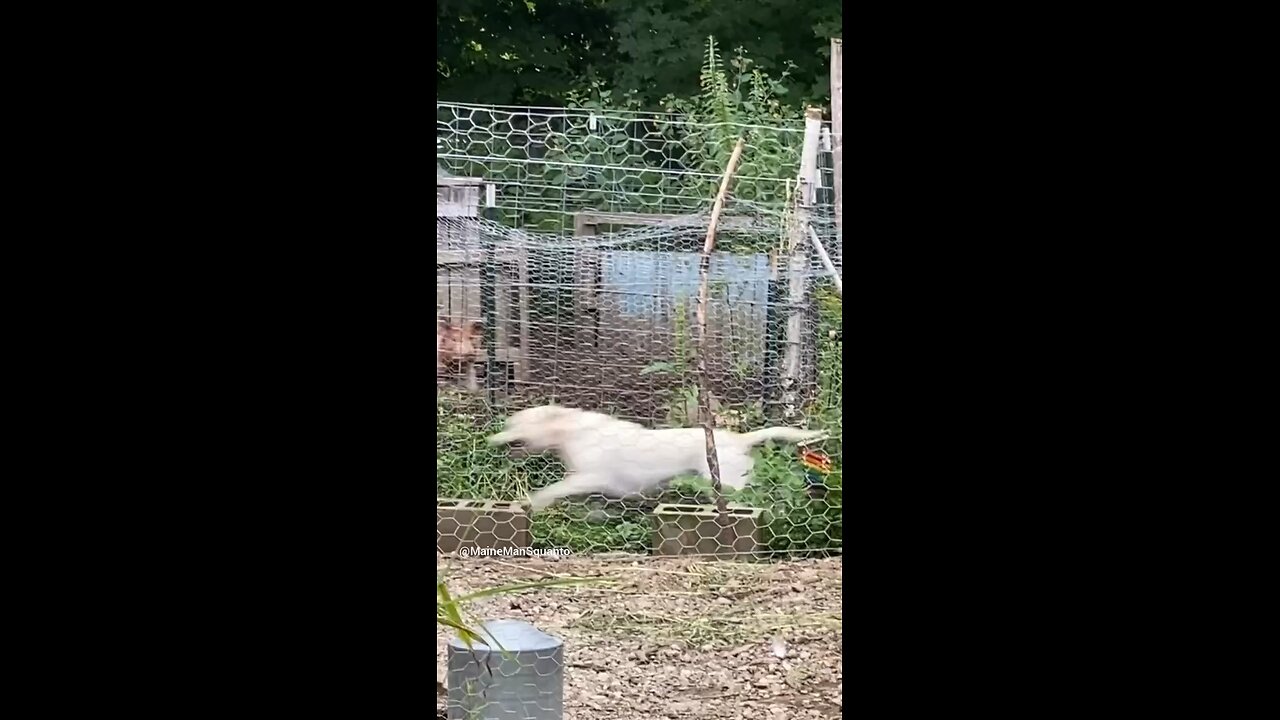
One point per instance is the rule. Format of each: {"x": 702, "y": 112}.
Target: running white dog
{"x": 615, "y": 457}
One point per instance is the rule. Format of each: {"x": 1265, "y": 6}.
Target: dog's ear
{"x": 475, "y": 329}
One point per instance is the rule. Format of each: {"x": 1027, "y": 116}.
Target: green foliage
{"x": 732, "y": 93}
{"x": 582, "y": 528}
{"x": 623, "y": 162}
{"x": 518, "y": 51}
{"x": 828, "y": 404}
{"x": 657, "y": 40}
{"x": 800, "y": 521}
{"x": 515, "y": 52}
{"x": 468, "y": 467}
{"x": 735, "y": 94}
{"x": 618, "y": 160}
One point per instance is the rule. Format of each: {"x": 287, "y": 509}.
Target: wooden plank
{"x": 523, "y": 289}
{"x": 586, "y": 278}
{"x": 473, "y": 258}
{"x": 455, "y": 181}
{"x": 457, "y": 199}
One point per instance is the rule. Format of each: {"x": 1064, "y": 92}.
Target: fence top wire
{"x": 670, "y": 118}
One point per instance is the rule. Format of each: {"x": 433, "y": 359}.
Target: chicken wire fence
{"x": 568, "y": 248}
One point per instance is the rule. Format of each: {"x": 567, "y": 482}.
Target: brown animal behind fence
{"x": 457, "y": 351}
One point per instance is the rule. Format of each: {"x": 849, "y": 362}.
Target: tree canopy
{"x": 540, "y": 52}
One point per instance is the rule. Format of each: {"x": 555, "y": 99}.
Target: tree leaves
{"x": 535, "y": 52}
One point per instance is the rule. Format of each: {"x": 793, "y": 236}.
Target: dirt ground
{"x": 677, "y": 638}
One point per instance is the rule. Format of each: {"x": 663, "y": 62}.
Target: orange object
{"x": 816, "y": 460}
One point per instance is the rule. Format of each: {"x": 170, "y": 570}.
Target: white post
{"x": 826, "y": 260}
{"x": 798, "y": 265}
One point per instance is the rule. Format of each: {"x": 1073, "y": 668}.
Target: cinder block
{"x": 504, "y": 525}
{"x": 454, "y": 522}
{"x": 471, "y": 524}
{"x": 696, "y": 530}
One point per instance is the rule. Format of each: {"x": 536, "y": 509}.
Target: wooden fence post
{"x": 798, "y": 263}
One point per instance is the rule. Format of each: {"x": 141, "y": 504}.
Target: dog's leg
{"x": 472, "y": 385}
{"x": 576, "y": 484}
{"x": 735, "y": 470}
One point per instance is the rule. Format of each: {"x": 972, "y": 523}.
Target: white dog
{"x": 614, "y": 457}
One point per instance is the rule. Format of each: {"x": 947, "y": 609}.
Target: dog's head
{"x": 459, "y": 343}
{"x": 536, "y": 429}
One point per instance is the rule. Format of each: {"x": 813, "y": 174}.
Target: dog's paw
{"x": 540, "y": 500}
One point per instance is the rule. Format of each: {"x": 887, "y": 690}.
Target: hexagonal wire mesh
{"x": 579, "y": 288}
{"x": 568, "y": 271}
{"x": 513, "y": 671}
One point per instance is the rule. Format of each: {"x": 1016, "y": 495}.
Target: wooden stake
{"x": 798, "y": 264}
{"x": 704, "y": 273}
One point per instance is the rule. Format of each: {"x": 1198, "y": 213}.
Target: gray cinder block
{"x": 474, "y": 524}
{"x": 696, "y": 530}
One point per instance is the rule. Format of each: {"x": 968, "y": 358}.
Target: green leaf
{"x": 528, "y": 586}
{"x": 661, "y": 367}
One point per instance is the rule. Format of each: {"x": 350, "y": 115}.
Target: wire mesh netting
{"x": 551, "y": 163}
{"x": 577, "y": 362}
{"x": 603, "y": 319}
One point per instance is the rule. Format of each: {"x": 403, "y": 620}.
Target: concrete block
{"x": 473, "y": 524}
{"x": 696, "y": 530}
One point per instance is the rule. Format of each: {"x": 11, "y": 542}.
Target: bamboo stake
{"x": 704, "y": 272}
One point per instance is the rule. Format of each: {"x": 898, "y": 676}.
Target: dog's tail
{"x": 780, "y": 434}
